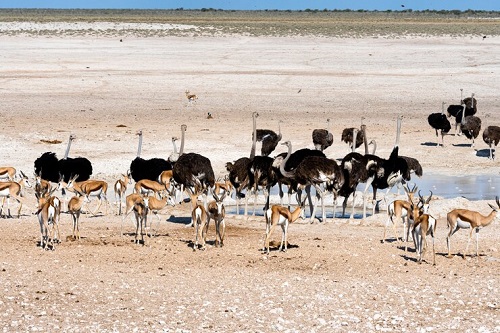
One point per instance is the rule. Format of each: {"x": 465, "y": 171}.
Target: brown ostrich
{"x": 491, "y": 135}
{"x": 322, "y": 138}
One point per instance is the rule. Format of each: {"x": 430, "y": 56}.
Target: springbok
{"x": 49, "y": 210}
{"x": 200, "y": 217}
{"x": 120, "y": 189}
{"x": 75, "y": 205}
{"x": 91, "y": 188}
{"x": 280, "y": 215}
{"x": 7, "y": 173}
{"x": 469, "y": 219}
{"x": 423, "y": 225}
{"x": 398, "y": 209}
{"x": 11, "y": 189}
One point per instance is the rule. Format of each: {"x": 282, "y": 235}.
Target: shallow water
{"x": 474, "y": 187}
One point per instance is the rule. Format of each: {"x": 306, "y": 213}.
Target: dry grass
{"x": 267, "y": 23}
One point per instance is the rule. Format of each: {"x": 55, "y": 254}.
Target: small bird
{"x": 298, "y": 92}
{"x": 209, "y": 116}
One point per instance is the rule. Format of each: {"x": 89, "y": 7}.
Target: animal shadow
{"x": 461, "y": 144}
{"x": 429, "y": 144}
{"x": 179, "y": 219}
{"x": 484, "y": 152}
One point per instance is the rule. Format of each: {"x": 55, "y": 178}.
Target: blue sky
{"x": 259, "y": 4}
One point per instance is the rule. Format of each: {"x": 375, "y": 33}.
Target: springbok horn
{"x": 429, "y": 198}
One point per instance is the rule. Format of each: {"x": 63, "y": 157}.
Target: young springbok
{"x": 156, "y": 205}
{"x": 12, "y": 189}
{"x": 280, "y": 215}
{"x": 200, "y": 217}
{"x": 423, "y": 225}
{"x": 217, "y": 212}
{"x": 398, "y": 209}
{"x": 139, "y": 205}
{"x": 75, "y": 205}
{"x": 469, "y": 219}
{"x": 120, "y": 189}
{"x": 91, "y": 188}
{"x": 48, "y": 213}
{"x": 146, "y": 187}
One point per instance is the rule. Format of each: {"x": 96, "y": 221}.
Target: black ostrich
{"x": 322, "y": 138}
{"x": 470, "y": 127}
{"x": 392, "y": 171}
{"x": 147, "y": 169}
{"x": 440, "y": 123}
{"x": 293, "y": 161}
{"x": 348, "y": 134}
{"x": 268, "y": 138}
{"x": 261, "y": 175}
{"x": 194, "y": 172}
{"x": 491, "y": 136}
{"x": 239, "y": 178}
{"x": 354, "y": 169}
{"x": 239, "y": 170}
{"x": 321, "y": 172}
{"x": 49, "y": 168}
{"x": 467, "y": 108}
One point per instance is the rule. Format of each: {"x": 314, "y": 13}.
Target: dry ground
{"x": 336, "y": 276}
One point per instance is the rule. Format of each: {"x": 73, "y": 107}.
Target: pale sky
{"x": 259, "y": 4}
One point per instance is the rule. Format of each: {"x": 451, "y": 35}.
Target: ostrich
{"x": 292, "y": 163}
{"x": 438, "y": 121}
{"x": 321, "y": 172}
{"x": 147, "y": 169}
{"x": 348, "y": 134}
{"x": 239, "y": 170}
{"x": 175, "y": 155}
{"x": 262, "y": 175}
{"x": 392, "y": 171}
{"x": 322, "y": 138}
{"x": 268, "y": 138}
{"x": 470, "y": 127}
{"x": 194, "y": 172}
{"x": 491, "y": 136}
{"x": 467, "y": 108}
{"x": 49, "y": 168}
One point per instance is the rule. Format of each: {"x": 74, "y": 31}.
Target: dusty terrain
{"x": 336, "y": 276}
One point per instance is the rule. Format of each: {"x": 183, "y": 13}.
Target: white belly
{"x": 5, "y": 192}
{"x": 463, "y": 224}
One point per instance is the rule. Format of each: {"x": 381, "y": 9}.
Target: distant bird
{"x": 484, "y": 37}
{"x": 347, "y": 136}
{"x": 298, "y": 92}
{"x": 322, "y": 138}
{"x": 209, "y": 116}
{"x": 440, "y": 123}
{"x": 491, "y": 136}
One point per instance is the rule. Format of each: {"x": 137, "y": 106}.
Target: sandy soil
{"x": 336, "y": 276}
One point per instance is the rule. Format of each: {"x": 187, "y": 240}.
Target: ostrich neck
{"x": 374, "y": 147}
{"x": 175, "y": 146}
{"x": 254, "y": 137}
{"x": 398, "y": 131}
{"x": 183, "y": 131}
{"x": 68, "y": 147}
{"x": 365, "y": 140}
{"x": 285, "y": 173}
{"x": 354, "y": 139}
{"x": 140, "y": 145}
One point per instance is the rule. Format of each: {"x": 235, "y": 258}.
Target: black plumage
{"x": 52, "y": 169}
{"x": 193, "y": 169}
{"x": 440, "y": 123}
{"x": 262, "y": 174}
{"x": 269, "y": 140}
{"x": 322, "y": 138}
{"x": 321, "y": 172}
{"x": 151, "y": 169}
{"x": 414, "y": 166}
{"x": 148, "y": 169}
{"x": 238, "y": 174}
